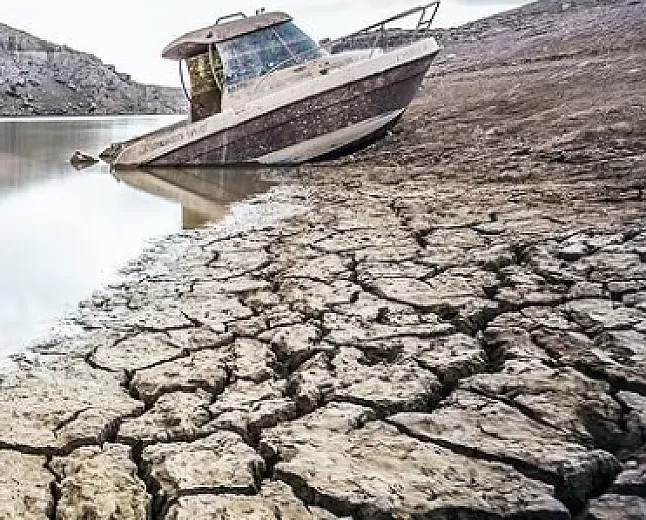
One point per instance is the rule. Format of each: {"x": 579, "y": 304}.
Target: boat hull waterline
{"x": 328, "y": 114}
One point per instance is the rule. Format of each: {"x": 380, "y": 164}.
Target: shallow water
{"x": 64, "y": 233}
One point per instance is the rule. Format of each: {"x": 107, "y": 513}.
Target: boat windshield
{"x": 254, "y": 54}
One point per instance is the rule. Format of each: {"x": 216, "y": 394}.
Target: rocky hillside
{"x": 542, "y": 30}
{"x": 545, "y": 30}
{"x": 38, "y": 77}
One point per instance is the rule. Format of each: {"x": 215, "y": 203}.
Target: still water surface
{"x": 64, "y": 233}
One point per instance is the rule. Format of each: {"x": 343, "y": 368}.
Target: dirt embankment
{"x": 454, "y": 328}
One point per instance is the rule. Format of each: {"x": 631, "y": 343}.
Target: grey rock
{"x": 214, "y": 312}
{"x": 199, "y": 338}
{"x": 586, "y": 290}
{"x": 634, "y": 408}
{"x": 595, "y": 315}
{"x": 451, "y": 357}
{"x": 616, "y": 356}
{"x": 294, "y": 343}
{"x": 357, "y": 239}
{"x": 80, "y": 159}
{"x": 376, "y": 326}
{"x": 528, "y": 295}
{"x": 312, "y": 383}
{"x": 310, "y": 296}
{"x": 236, "y": 286}
{"x": 454, "y": 291}
{"x": 325, "y": 268}
{"x": 323, "y": 514}
{"x": 631, "y": 481}
{"x": 616, "y": 507}
{"x": 505, "y": 340}
{"x": 252, "y": 360}
{"x": 610, "y": 267}
{"x": 157, "y": 317}
{"x": 448, "y": 290}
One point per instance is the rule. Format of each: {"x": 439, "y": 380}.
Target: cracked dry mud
{"x": 454, "y": 327}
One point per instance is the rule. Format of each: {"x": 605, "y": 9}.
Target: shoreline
{"x": 454, "y": 324}
{"x": 280, "y": 202}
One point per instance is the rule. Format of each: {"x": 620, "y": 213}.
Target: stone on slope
{"x": 634, "y": 408}
{"x": 214, "y": 312}
{"x": 251, "y": 360}
{"x": 312, "y": 297}
{"x": 631, "y": 481}
{"x": 596, "y": 315}
{"x": 450, "y": 290}
{"x": 616, "y": 507}
{"x": 450, "y": 357}
{"x": 613, "y": 266}
{"x": 379, "y": 322}
{"x": 294, "y": 343}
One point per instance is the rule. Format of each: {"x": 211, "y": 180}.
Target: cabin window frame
{"x": 247, "y": 58}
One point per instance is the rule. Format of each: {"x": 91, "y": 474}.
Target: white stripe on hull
{"x": 324, "y": 144}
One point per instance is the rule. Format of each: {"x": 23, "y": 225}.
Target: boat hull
{"x": 353, "y": 112}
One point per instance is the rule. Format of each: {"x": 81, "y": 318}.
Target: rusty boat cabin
{"x": 261, "y": 91}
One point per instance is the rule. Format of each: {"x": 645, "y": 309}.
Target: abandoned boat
{"x": 262, "y": 91}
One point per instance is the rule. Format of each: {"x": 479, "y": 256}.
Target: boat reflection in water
{"x": 206, "y": 195}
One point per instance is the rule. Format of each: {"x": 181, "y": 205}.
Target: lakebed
{"x": 451, "y": 323}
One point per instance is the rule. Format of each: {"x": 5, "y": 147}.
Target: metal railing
{"x": 376, "y": 33}
{"x": 239, "y": 15}
{"x": 378, "y": 36}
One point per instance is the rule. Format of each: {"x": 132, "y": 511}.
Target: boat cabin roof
{"x": 197, "y": 42}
